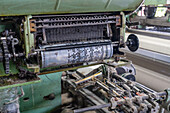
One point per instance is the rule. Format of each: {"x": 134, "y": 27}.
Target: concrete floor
{"x": 152, "y": 79}
{"x": 153, "y": 74}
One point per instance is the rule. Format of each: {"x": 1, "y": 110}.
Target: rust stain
{"x": 118, "y": 20}
{"x": 32, "y": 25}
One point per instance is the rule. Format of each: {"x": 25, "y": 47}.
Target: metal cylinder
{"x": 76, "y": 55}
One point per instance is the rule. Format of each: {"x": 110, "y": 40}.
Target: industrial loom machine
{"x": 52, "y": 47}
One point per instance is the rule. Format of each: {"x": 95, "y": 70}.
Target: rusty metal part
{"x": 119, "y": 102}
{"x": 126, "y": 96}
{"x": 118, "y": 20}
{"x": 122, "y": 94}
{"x": 32, "y": 26}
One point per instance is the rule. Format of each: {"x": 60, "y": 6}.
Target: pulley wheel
{"x": 132, "y": 42}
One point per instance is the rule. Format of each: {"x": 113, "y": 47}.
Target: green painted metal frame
{"x": 13, "y": 69}
{"x": 32, "y": 7}
{"x": 20, "y": 84}
{"x": 33, "y": 101}
{"x": 155, "y": 2}
{"x": 28, "y": 36}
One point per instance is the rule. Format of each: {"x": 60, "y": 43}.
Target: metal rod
{"x": 68, "y": 20}
{"x": 87, "y": 24}
{"x": 92, "y": 108}
{"x": 119, "y": 102}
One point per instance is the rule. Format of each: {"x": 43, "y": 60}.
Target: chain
{"x": 5, "y": 55}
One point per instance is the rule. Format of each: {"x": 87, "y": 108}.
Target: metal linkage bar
{"x": 92, "y": 108}
{"x": 119, "y": 102}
